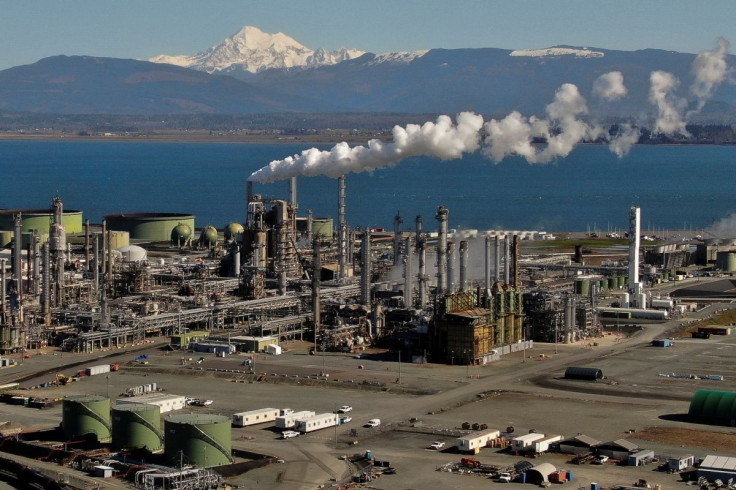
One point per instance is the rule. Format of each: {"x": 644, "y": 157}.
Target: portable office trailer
{"x": 680, "y": 463}
{"x": 165, "y": 401}
{"x": 526, "y": 441}
{"x": 316, "y": 422}
{"x": 640, "y": 458}
{"x": 542, "y": 445}
{"x": 99, "y": 369}
{"x": 252, "y": 417}
{"x": 474, "y": 441}
{"x": 288, "y": 421}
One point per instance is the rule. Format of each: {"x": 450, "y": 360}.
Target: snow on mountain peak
{"x": 558, "y": 51}
{"x": 252, "y": 50}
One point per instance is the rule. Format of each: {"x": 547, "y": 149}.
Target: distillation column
{"x": 365, "y": 274}
{"x": 342, "y": 239}
{"x": 463, "y": 266}
{"x": 408, "y": 274}
{"x": 451, "y": 258}
{"x": 316, "y": 268}
{"x": 441, "y": 217}
{"x": 422, "y": 276}
{"x": 487, "y": 277}
{"x": 397, "y": 238}
{"x": 506, "y": 260}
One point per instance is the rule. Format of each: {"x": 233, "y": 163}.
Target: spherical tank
{"x": 181, "y": 234}
{"x": 153, "y": 227}
{"x": 86, "y": 414}
{"x": 41, "y": 220}
{"x": 137, "y": 426}
{"x": 202, "y": 439}
{"x": 208, "y": 237}
{"x": 233, "y": 231}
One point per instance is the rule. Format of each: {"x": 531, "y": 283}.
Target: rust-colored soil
{"x": 688, "y": 437}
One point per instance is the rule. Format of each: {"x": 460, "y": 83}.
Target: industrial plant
{"x": 436, "y": 295}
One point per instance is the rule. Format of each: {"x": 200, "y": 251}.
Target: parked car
{"x": 288, "y": 434}
{"x": 345, "y": 409}
{"x": 504, "y": 478}
{"x": 437, "y": 445}
{"x": 345, "y": 420}
{"x": 373, "y": 423}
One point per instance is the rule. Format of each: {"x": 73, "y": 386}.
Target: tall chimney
{"x": 18, "y": 254}
{"x": 46, "y": 291}
{"x": 422, "y": 276}
{"x": 517, "y": 252}
{"x": 507, "y": 260}
{"x": 103, "y": 250}
{"x": 97, "y": 264}
{"x": 316, "y": 268}
{"x": 488, "y": 264}
{"x": 249, "y": 191}
{"x": 408, "y": 275}
{"x": 463, "y": 266}
{"x": 497, "y": 261}
{"x": 86, "y": 245}
{"x": 418, "y": 233}
{"x": 397, "y": 238}
{"x": 365, "y": 274}
{"x": 36, "y": 265}
{"x": 310, "y": 225}
{"x": 342, "y": 252}
{"x": 292, "y": 194}
{"x": 451, "y": 257}
{"x": 442, "y": 214}
{"x": 634, "y": 242}
{"x": 3, "y": 284}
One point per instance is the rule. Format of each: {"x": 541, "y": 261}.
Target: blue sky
{"x": 34, "y": 29}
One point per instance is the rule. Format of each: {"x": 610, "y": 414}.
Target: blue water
{"x": 677, "y": 187}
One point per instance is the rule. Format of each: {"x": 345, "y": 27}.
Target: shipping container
{"x": 316, "y": 422}
{"x": 94, "y": 370}
{"x": 252, "y": 417}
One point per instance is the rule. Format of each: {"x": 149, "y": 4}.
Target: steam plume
{"x": 622, "y": 142}
{"x": 669, "y": 107}
{"x": 710, "y": 70}
{"x": 610, "y": 86}
{"x": 441, "y": 139}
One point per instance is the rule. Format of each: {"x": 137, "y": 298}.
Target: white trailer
{"x": 542, "y": 445}
{"x": 526, "y": 441}
{"x": 252, "y": 417}
{"x": 100, "y": 369}
{"x": 316, "y": 422}
{"x": 166, "y": 402}
{"x": 474, "y": 441}
{"x": 273, "y": 349}
{"x": 289, "y": 421}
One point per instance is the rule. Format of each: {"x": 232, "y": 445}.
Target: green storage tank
{"x": 41, "y": 219}
{"x": 202, "y": 439}
{"x": 582, "y": 287}
{"x": 152, "y": 227}
{"x": 137, "y": 427}
{"x": 726, "y": 261}
{"x": 6, "y": 238}
{"x": 713, "y": 407}
{"x": 612, "y": 283}
{"x": 234, "y": 231}
{"x": 322, "y": 227}
{"x": 86, "y": 414}
{"x": 208, "y": 237}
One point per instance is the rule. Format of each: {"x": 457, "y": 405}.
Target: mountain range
{"x": 254, "y": 72}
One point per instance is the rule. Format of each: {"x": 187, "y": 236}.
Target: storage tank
{"x": 208, "y": 237}
{"x": 6, "y": 238}
{"x": 726, "y": 261}
{"x": 152, "y": 227}
{"x": 119, "y": 239}
{"x": 233, "y": 231}
{"x": 322, "y": 227}
{"x": 41, "y": 220}
{"x": 582, "y": 287}
{"x": 137, "y": 426}
{"x": 202, "y": 439}
{"x": 181, "y": 234}
{"x": 612, "y": 283}
{"x": 86, "y": 414}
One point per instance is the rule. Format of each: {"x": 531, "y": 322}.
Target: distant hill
{"x": 488, "y": 81}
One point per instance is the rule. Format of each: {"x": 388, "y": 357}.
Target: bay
{"x": 677, "y": 187}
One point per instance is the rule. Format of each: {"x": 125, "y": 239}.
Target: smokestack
{"x": 634, "y": 241}
{"x": 103, "y": 250}
{"x": 236, "y": 261}
{"x": 110, "y": 258}
{"x": 86, "y": 245}
{"x": 507, "y": 260}
{"x": 365, "y": 274}
{"x": 517, "y": 252}
{"x": 397, "y": 238}
{"x": 17, "y": 254}
{"x": 408, "y": 274}
{"x": 422, "y": 276}
{"x": 46, "y": 292}
{"x": 316, "y": 268}
{"x": 3, "y": 304}
{"x": 36, "y": 266}
{"x": 463, "y": 266}
{"x": 442, "y": 214}
{"x": 451, "y": 279}
{"x": 310, "y": 225}
{"x": 292, "y": 194}
{"x": 97, "y": 264}
{"x": 341, "y": 223}
{"x": 488, "y": 264}
{"x": 497, "y": 261}
{"x": 419, "y": 225}
{"x": 249, "y": 191}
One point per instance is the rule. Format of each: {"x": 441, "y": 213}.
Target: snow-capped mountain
{"x": 252, "y": 50}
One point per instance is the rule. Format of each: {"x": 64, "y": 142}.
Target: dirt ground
{"x": 716, "y": 441}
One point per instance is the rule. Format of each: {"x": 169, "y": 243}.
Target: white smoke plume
{"x": 724, "y": 228}
{"x": 710, "y": 69}
{"x": 514, "y": 134}
{"x": 441, "y": 139}
{"x": 622, "y": 142}
{"x": 669, "y": 107}
{"x": 610, "y": 86}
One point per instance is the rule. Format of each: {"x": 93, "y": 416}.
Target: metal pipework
{"x": 463, "y": 266}
{"x": 408, "y": 274}
{"x": 442, "y": 215}
{"x": 97, "y": 264}
{"x": 46, "y": 292}
{"x": 451, "y": 279}
{"x": 310, "y": 225}
{"x": 3, "y": 305}
{"x": 365, "y": 274}
{"x": 103, "y": 250}
{"x": 316, "y": 267}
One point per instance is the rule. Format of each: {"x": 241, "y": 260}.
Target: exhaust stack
{"x": 441, "y": 217}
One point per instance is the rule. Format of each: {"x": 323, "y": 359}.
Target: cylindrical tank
{"x": 208, "y": 237}
{"x": 602, "y": 284}
{"x": 153, "y": 227}
{"x": 41, "y": 220}
{"x": 612, "y": 283}
{"x": 202, "y": 439}
{"x": 233, "y": 231}
{"x": 582, "y": 287}
{"x": 322, "y": 227}
{"x": 86, "y": 414}
{"x": 726, "y": 261}
{"x": 6, "y": 238}
{"x": 137, "y": 426}
{"x": 119, "y": 239}
{"x": 181, "y": 234}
